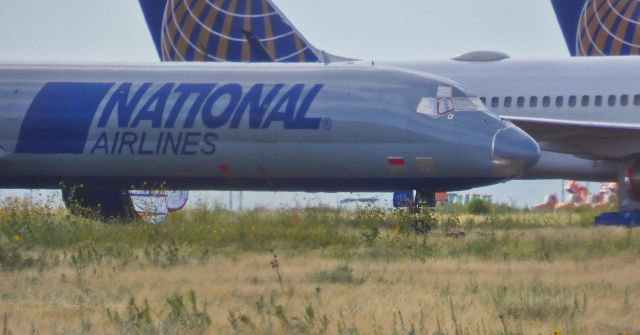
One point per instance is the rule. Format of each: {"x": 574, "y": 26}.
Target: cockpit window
{"x": 468, "y": 104}
{"x": 445, "y": 103}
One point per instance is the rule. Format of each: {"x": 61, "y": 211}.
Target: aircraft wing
{"x": 586, "y": 138}
{"x": 553, "y": 129}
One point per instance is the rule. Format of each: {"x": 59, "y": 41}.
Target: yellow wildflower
{"x": 16, "y": 237}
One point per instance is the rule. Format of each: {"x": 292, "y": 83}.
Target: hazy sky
{"x": 114, "y": 30}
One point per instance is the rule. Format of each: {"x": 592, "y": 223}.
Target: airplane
{"x": 97, "y": 130}
{"x": 582, "y": 111}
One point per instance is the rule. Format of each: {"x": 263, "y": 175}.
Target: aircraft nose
{"x": 514, "y": 151}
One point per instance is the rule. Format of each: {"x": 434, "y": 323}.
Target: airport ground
{"x": 211, "y": 271}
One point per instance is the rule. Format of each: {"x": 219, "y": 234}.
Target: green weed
{"x": 184, "y": 317}
{"x": 40, "y": 237}
{"x": 342, "y": 274}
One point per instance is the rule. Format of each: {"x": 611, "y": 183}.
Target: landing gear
{"x": 424, "y": 199}
{"x": 106, "y": 204}
{"x": 628, "y": 214}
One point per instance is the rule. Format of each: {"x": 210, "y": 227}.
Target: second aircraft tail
{"x": 600, "y": 27}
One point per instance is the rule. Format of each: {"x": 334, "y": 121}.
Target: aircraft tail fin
{"x": 599, "y": 27}
{"x": 226, "y": 31}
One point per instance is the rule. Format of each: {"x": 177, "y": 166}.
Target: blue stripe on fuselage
{"x": 59, "y": 118}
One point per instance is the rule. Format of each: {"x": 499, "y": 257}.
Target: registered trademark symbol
{"x": 327, "y": 123}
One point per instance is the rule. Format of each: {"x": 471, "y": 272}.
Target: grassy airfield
{"x": 317, "y": 271}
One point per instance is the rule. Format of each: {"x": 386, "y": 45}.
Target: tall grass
{"x": 208, "y": 270}
{"x": 36, "y": 236}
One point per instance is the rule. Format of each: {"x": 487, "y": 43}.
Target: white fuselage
{"x": 565, "y": 78}
{"x": 304, "y": 127}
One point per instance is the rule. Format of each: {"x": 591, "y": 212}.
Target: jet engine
{"x": 554, "y": 165}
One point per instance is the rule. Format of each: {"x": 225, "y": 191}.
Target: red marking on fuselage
{"x": 226, "y": 172}
{"x": 396, "y": 161}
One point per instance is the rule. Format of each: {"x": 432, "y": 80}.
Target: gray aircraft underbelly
{"x": 258, "y": 127}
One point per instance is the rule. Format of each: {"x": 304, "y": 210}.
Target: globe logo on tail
{"x": 609, "y": 28}
{"x": 230, "y": 31}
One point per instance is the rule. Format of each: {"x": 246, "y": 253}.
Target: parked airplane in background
{"x": 583, "y": 112}
{"x": 305, "y": 127}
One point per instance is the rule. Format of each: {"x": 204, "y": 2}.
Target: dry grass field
{"x": 210, "y": 271}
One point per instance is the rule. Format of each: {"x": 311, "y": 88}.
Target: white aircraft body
{"x": 305, "y": 127}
